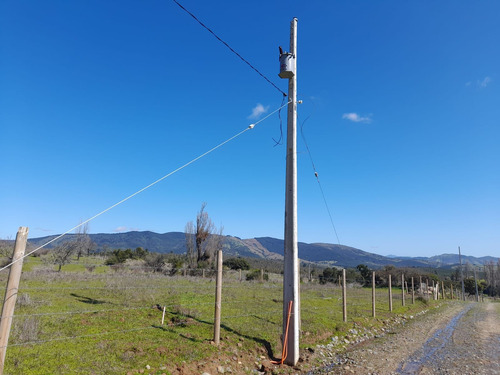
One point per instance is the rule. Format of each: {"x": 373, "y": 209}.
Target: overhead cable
{"x": 317, "y": 179}
{"x": 251, "y": 126}
{"x": 228, "y": 46}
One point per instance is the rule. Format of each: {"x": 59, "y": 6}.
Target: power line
{"x": 249, "y": 127}
{"x": 317, "y": 178}
{"x": 280, "y": 139}
{"x": 228, "y": 46}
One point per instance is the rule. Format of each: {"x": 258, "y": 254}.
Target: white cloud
{"x": 485, "y": 82}
{"x": 43, "y": 229}
{"x": 480, "y": 83}
{"x": 354, "y": 117}
{"x": 258, "y": 111}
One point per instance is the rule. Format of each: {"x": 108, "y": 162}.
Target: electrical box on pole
{"x": 291, "y": 298}
{"x": 287, "y": 64}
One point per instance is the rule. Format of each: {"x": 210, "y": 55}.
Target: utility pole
{"x": 475, "y": 282}
{"x": 288, "y": 69}
{"x": 461, "y": 274}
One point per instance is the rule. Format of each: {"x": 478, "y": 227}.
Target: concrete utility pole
{"x": 461, "y": 273}
{"x": 291, "y": 278}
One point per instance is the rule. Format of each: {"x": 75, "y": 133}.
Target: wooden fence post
{"x": 373, "y": 294}
{"x": 344, "y": 296}
{"x": 390, "y": 292}
{"x": 412, "y": 291}
{"x": 11, "y": 292}
{"x": 403, "y": 289}
{"x": 420, "y": 287}
{"x": 426, "y": 288}
{"x": 434, "y": 290}
{"x": 443, "y": 294}
{"x": 218, "y": 297}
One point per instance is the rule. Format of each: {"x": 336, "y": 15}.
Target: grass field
{"x": 104, "y": 321}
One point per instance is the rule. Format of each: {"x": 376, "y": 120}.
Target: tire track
{"x": 456, "y": 339}
{"x": 432, "y": 347}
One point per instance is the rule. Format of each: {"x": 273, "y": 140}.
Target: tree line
{"x": 203, "y": 240}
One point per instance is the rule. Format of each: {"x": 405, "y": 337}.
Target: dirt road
{"x": 463, "y": 339}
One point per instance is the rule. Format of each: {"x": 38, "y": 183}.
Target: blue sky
{"x": 402, "y": 101}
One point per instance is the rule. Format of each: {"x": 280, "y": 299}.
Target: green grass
{"x": 81, "y": 322}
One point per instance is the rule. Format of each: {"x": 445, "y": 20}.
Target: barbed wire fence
{"x": 121, "y": 302}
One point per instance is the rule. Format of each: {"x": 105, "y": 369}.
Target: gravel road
{"x": 462, "y": 338}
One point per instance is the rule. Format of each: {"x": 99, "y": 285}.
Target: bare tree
{"x": 61, "y": 254}
{"x": 154, "y": 262}
{"x": 497, "y": 274}
{"x": 79, "y": 245}
{"x": 6, "y": 251}
{"x": 190, "y": 247}
{"x": 83, "y": 243}
{"x": 467, "y": 270}
{"x": 204, "y": 228}
{"x": 202, "y": 241}
{"x": 6, "y": 248}
{"x": 213, "y": 244}
{"x": 489, "y": 271}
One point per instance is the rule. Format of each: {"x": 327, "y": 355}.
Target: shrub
{"x": 24, "y": 300}
{"x": 27, "y": 330}
{"x": 329, "y": 275}
{"x": 154, "y": 262}
{"x": 176, "y": 263}
{"x": 255, "y": 275}
{"x": 422, "y": 299}
{"x": 90, "y": 267}
{"x": 120, "y": 256}
{"x": 237, "y": 264}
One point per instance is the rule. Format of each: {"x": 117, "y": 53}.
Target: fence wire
{"x": 82, "y": 309}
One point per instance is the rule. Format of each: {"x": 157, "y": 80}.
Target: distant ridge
{"x": 267, "y": 248}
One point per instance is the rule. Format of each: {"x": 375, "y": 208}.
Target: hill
{"x": 267, "y": 248}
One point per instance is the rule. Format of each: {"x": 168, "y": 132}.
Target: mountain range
{"x": 267, "y": 248}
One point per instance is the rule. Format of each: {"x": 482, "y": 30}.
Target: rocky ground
{"x": 461, "y": 339}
